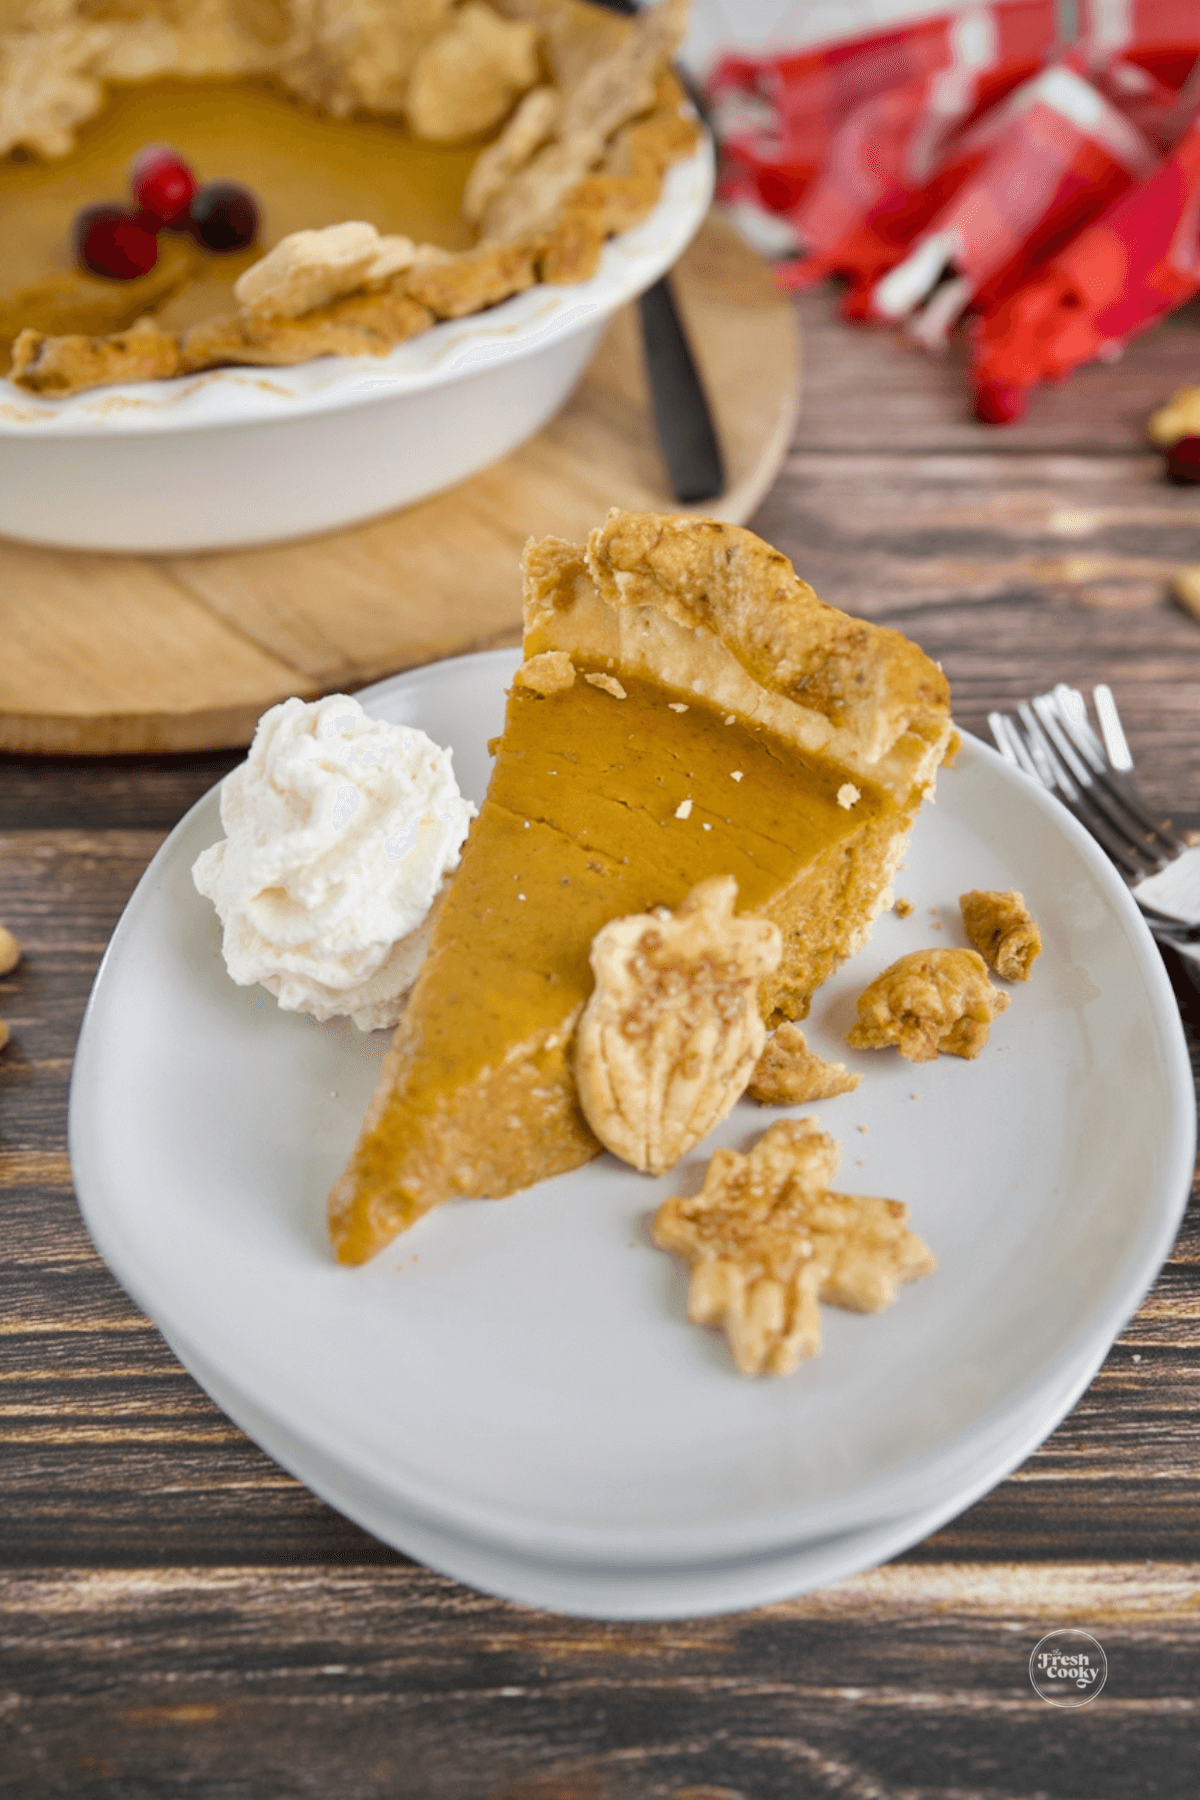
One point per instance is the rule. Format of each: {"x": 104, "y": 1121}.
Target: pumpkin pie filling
{"x": 604, "y": 803}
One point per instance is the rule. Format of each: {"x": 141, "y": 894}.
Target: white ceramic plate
{"x": 522, "y": 1372}
{"x": 590, "y": 1591}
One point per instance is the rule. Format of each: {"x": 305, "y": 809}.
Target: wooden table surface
{"x": 182, "y": 1619}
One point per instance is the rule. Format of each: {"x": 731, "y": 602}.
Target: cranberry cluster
{"x": 122, "y": 241}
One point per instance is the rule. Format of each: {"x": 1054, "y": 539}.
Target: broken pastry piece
{"x": 64, "y": 365}
{"x": 767, "y": 1240}
{"x": 1003, "y": 931}
{"x": 359, "y": 325}
{"x": 788, "y": 1073}
{"x": 931, "y": 1002}
{"x": 550, "y": 673}
{"x": 671, "y": 1033}
{"x": 467, "y": 78}
{"x": 308, "y": 269}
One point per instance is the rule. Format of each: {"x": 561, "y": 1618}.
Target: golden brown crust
{"x": 56, "y": 366}
{"x": 671, "y": 1031}
{"x": 615, "y": 88}
{"x": 468, "y": 77}
{"x": 867, "y": 680}
{"x": 473, "y": 280}
{"x": 708, "y": 607}
{"x": 71, "y": 303}
{"x": 788, "y": 1073}
{"x": 1003, "y": 931}
{"x": 345, "y": 54}
{"x": 767, "y": 1240}
{"x": 529, "y": 128}
{"x": 616, "y": 198}
{"x": 930, "y": 1002}
{"x": 361, "y": 325}
{"x": 550, "y": 673}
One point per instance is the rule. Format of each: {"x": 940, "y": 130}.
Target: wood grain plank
{"x": 905, "y": 1684}
{"x": 869, "y": 389}
{"x": 84, "y": 633}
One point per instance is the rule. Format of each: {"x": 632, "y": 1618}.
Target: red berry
{"x": 111, "y": 240}
{"x": 1183, "y": 461}
{"x": 161, "y": 183}
{"x": 1000, "y": 402}
{"x": 224, "y": 216}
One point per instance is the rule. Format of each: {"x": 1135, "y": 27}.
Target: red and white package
{"x": 893, "y": 164}
{"x": 1117, "y": 278}
{"x": 1056, "y": 155}
{"x": 973, "y": 164}
{"x": 777, "y": 116}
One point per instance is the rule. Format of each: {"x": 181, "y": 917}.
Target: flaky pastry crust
{"x": 930, "y": 1002}
{"x": 62, "y": 365}
{"x": 671, "y": 1033}
{"x": 788, "y": 1073}
{"x": 1003, "y": 930}
{"x": 767, "y": 1240}
{"x": 712, "y": 608}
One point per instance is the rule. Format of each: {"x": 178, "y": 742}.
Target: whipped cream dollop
{"x": 340, "y": 832}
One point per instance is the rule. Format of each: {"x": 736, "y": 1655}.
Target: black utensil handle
{"x": 686, "y": 434}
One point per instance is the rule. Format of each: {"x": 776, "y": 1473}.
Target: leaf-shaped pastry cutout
{"x": 672, "y": 1032}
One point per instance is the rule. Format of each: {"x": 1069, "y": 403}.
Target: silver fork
{"x": 1052, "y": 739}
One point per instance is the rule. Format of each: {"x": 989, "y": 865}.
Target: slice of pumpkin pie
{"x": 687, "y": 708}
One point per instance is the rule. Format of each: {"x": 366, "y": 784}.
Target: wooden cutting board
{"x": 102, "y": 654}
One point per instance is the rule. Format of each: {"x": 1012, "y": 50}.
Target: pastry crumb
{"x": 550, "y": 673}
{"x": 847, "y": 794}
{"x": 608, "y": 683}
{"x": 903, "y": 908}
{"x": 1003, "y": 931}
{"x": 679, "y": 706}
{"x": 684, "y": 810}
{"x": 788, "y": 1073}
{"x": 737, "y": 775}
{"x": 930, "y": 1002}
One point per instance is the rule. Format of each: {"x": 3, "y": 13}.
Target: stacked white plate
{"x": 511, "y": 1392}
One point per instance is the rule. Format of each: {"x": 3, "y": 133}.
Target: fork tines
{"x": 1052, "y": 740}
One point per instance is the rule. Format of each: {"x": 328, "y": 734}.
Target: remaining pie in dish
{"x": 687, "y": 708}
{"x": 500, "y": 141}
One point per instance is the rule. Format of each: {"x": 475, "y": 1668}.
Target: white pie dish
{"x": 522, "y": 1373}
{"x": 253, "y": 455}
